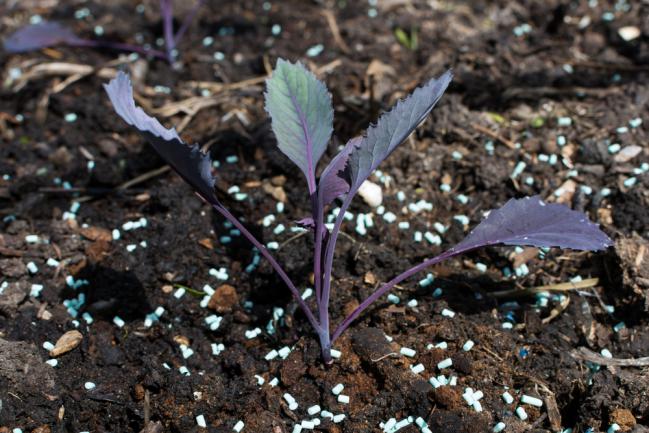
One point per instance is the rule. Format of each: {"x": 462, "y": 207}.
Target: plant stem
{"x": 166, "y": 10}
{"x": 187, "y": 21}
{"x": 280, "y": 271}
{"x": 318, "y": 216}
{"x": 390, "y": 284}
{"x": 328, "y": 264}
{"x": 325, "y": 346}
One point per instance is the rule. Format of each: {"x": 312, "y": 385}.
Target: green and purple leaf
{"x": 188, "y": 161}
{"x": 302, "y": 115}
{"x": 36, "y": 36}
{"x": 393, "y": 128}
{"x": 529, "y": 221}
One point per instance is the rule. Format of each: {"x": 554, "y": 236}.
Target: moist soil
{"x": 551, "y": 84}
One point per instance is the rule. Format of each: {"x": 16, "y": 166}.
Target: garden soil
{"x": 548, "y": 98}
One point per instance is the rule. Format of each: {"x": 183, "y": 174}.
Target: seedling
{"x": 302, "y": 114}
{"x": 47, "y": 34}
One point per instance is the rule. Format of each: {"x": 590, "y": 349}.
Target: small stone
{"x": 369, "y": 278}
{"x": 224, "y": 299}
{"x": 629, "y": 33}
{"x": 371, "y": 193}
{"x": 66, "y": 343}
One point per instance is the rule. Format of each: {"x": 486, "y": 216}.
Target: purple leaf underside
{"x": 334, "y": 179}
{"x": 189, "y": 162}
{"x": 41, "y": 35}
{"x": 531, "y": 222}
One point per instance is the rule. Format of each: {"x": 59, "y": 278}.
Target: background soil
{"x": 522, "y": 68}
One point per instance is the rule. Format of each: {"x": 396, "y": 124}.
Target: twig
{"x": 585, "y": 354}
{"x": 494, "y": 135}
{"x": 380, "y": 358}
{"x": 139, "y": 179}
{"x": 557, "y": 310}
{"x": 561, "y": 287}
{"x": 335, "y": 31}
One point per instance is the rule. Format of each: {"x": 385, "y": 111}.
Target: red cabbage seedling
{"x": 47, "y": 34}
{"x": 302, "y": 114}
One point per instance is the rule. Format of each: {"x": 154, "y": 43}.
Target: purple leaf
{"x": 41, "y": 35}
{"x": 192, "y": 165}
{"x": 394, "y": 127}
{"x": 333, "y": 180}
{"x": 530, "y": 221}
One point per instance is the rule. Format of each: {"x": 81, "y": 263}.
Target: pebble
{"x": 89, "y": 385}
{"x": 629, "y": 33}
{"x": 371, "y": 193}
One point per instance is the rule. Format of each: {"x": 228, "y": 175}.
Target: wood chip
{"x": 66, "y": 343}
{"x": 369, "y": 278}
{"x": 554, "y": 416}
{"x": 181, "y": 339}
{"x": 96, "y": 234}
{"x": 206, "y": 243}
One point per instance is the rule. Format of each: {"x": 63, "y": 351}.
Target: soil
{"x": 521, "y": 69}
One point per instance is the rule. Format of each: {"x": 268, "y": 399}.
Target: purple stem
{"x": 264, "y": 251}
{"x": 393, "y": 282}
{"x": 166, "y": 10}
{"x": 328, "y": 265}
{"x": 187, "y": 21}
{"x": 318, "y": 215}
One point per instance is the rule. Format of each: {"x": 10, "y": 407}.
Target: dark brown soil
{"x": 511, "y": 93}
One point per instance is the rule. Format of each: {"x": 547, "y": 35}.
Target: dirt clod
{"x": 224, "y": 299}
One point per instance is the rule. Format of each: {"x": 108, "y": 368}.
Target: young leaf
{"x": 530, "y": 221}
{"x": 191, "y": 164}
{"x": 41, "y": 35}
{"x": 333, "y": 180}
{"x": 302, "y": 116}
{"x": 393, "y": 127}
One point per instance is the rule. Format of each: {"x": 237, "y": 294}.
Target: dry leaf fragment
{"x": 66, "y": 343}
